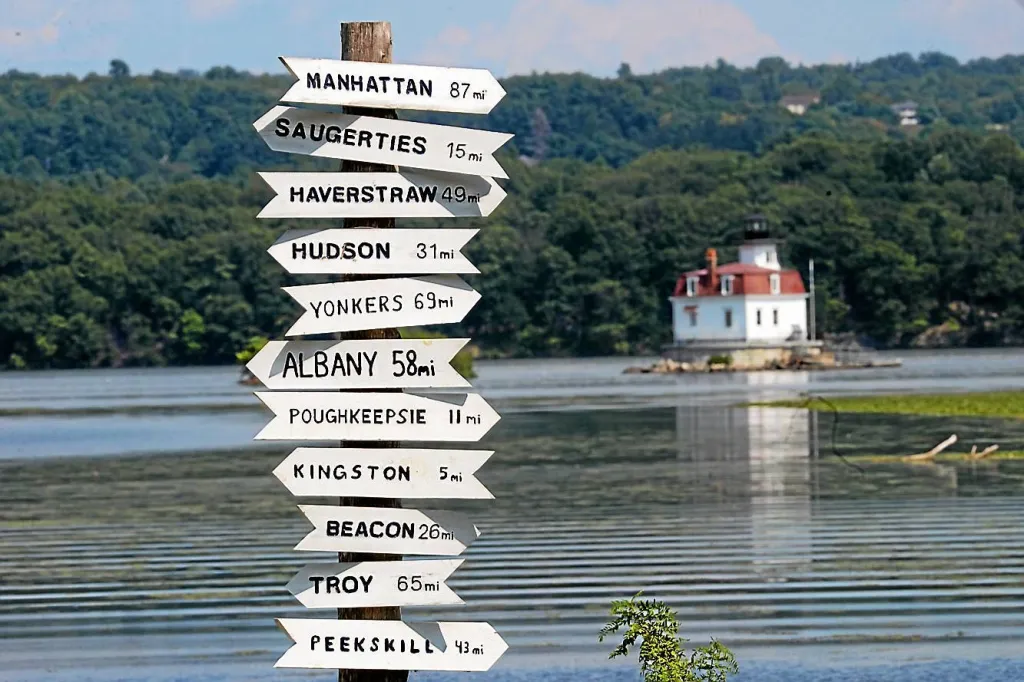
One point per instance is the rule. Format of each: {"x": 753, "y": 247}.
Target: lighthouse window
{"x": 775, "y": 317}
{"x": 727, "y": 285}
{"x": 691, "y": 286}
{"x": 773, "y": 281}
{"x": 728, "y": 317}
{"x": 758, "y": 317}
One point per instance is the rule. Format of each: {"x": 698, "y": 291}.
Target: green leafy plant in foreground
{"x": 662, "y": 655}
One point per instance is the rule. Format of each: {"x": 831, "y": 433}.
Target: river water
{"x": 143, "y": 537}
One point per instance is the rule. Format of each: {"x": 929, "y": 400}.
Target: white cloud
{"x": 989, "y": 28}
{"x": 592, "y": 36}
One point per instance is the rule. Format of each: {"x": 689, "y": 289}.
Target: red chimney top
{"x": 712, "y": 259}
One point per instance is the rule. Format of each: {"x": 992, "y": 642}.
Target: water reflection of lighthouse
{"x": 760, "y": 459}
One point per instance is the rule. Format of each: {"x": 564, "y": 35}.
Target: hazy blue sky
{"x": 506, "y": 36}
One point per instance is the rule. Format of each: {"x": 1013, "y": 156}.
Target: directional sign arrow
{"x": 341, "y": 251}
{"x": 390, "y": 473}
{"x": 390, "y": 645}
{"x": 386, "y": 531}
{"x": 375, "y": 583}
{"x": 300, "y": 416}
{"x": 333, "y": 365}
{"x": 391, "y": 86}
{"x": 406, "y": 194}
{"x": 379, "y": 140}
{"x": 381, "y": 303}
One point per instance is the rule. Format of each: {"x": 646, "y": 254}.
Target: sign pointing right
{"x": 390, "y": 645}
{"x": 386, "y": 531}
{"x": 347, "y": 251}
{"x": 406, "y": 194}
{"x": 317, "y": 415}
{"x": 391, "y": 86}
{"x": 380, "y": 140}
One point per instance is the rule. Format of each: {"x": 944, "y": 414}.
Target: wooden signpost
{"x": 370, "y": 472}
{"x": 370, "y": 252}
{"x": 380, "y": 140}
{"x": 408, "y": 194}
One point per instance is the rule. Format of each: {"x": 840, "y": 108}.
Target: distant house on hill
{"x": 907, "y": 113}
{"x": 799, "y": 104}
{"x": 754, "y": 303}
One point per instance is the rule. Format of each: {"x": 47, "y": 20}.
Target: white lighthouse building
{"x": 753, "y": 303}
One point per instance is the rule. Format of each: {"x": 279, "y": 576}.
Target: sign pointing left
{"x": 381, "y": 303}
{"x": 375, "y": 583}
{"x": 390, "y": 645}
{"x": 389, "y": 472}
{"x": 407, "y": 144}
{"x": 355, "y": 364}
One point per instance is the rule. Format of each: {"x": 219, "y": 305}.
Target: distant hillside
{"x": 915, "y": 242}
{"x": 187, "y": 123}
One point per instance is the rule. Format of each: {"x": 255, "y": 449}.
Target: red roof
{"x": 747, "y": 279}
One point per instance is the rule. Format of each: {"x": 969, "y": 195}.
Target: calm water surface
{"x": 169, "y": 561}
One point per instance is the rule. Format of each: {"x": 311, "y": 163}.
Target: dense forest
{"x": 128, "y": 233}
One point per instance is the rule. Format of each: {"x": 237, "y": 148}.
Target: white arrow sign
{"x": 386, "y": 531}
{"x": 379, "y": 140}
{"x": 375, "y": 583}
{"x": 333, "y": 365}
{"x": 406, "y": 194}
{"x": 340, "y": 251}
{"x": 381, "y": 303}
{"x": 390, "y": 645}
{"x": 391, "y": 86}
{"x": 390, "y": 473}
{"x": 307, "y": 415}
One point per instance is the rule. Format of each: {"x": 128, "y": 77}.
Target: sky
{"x": 506, "y": 36}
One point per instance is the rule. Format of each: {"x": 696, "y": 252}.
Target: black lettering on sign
{"x": 343, "y": 251}
{"x": 385, "y": 85}
{"x": 324, "y": 364}
{"x": 373, "y": 529}
{"x": 339, "y": 472}
{"x": 378, "y": 416}
{"x": 337, "y": 584}
{"x": 366, "y": 194}
{"x": 358, "y": 305}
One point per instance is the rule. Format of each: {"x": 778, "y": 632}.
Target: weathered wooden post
{"x": 369, "y": 41}
{"x": 370, "y": 363}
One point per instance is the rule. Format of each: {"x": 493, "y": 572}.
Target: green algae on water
{"x": 1000, "y": 405}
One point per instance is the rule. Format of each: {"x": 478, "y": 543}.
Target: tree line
{"x": 915, "y": 241}
{"x": 168, "y": 124}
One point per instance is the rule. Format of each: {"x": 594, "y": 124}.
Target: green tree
{"x": 662, "y": 657}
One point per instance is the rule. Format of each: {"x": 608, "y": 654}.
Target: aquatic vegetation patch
{"x": 1001, "y": 404}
